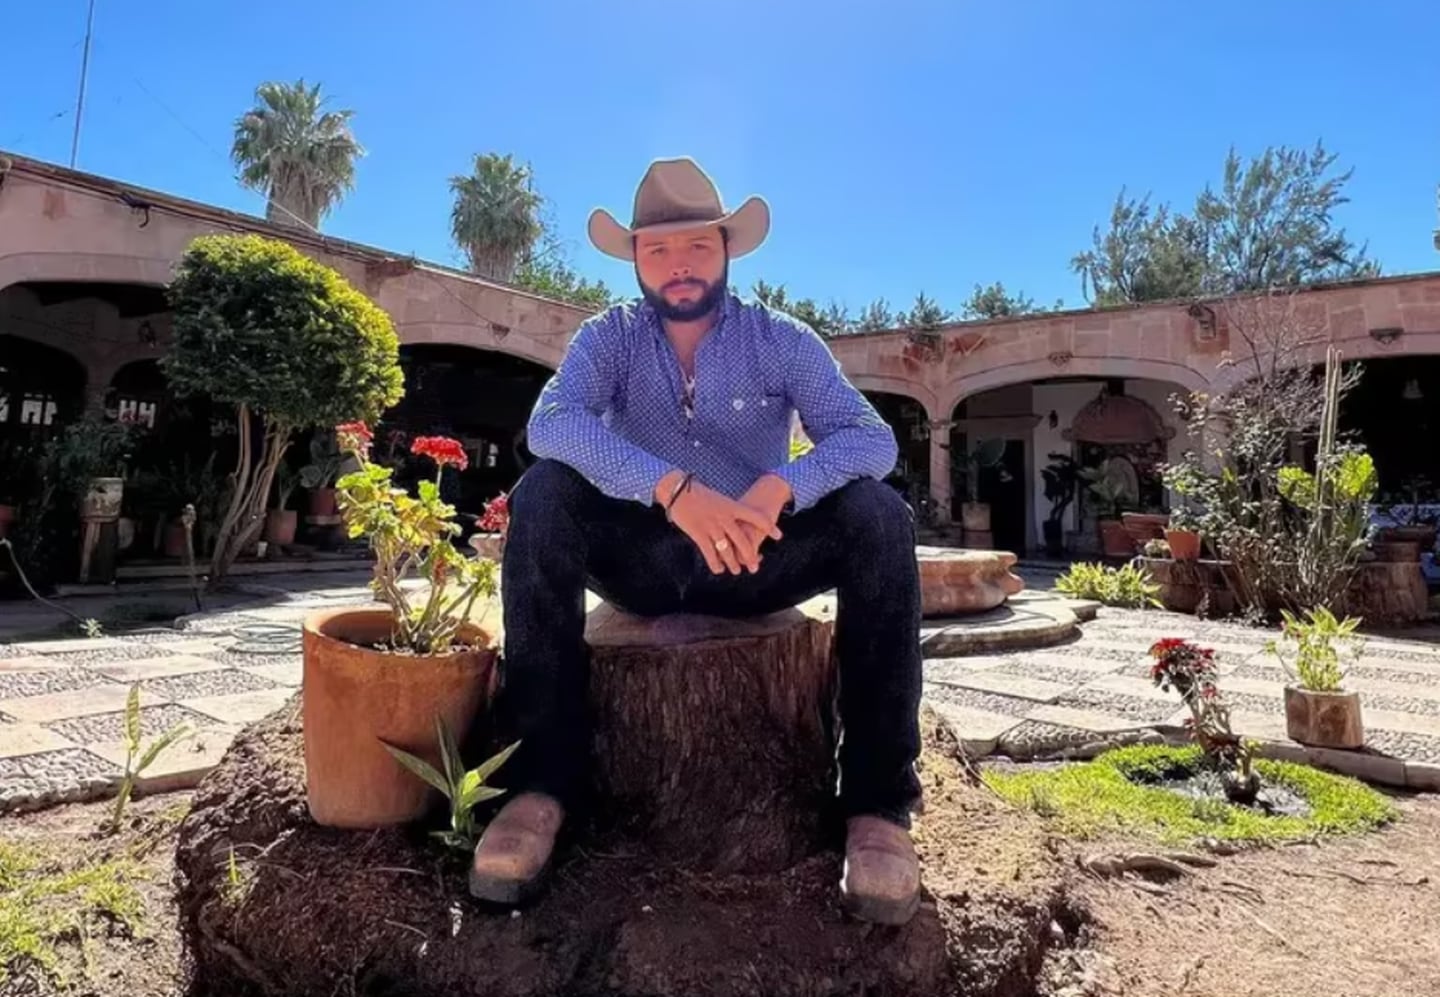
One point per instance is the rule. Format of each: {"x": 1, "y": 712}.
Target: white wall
{"x": 1066, "y": 401}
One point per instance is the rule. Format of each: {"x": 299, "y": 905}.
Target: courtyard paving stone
{"x": 61, "y": 701}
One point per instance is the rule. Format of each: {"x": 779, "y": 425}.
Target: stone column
{"x": 940, "y": 470}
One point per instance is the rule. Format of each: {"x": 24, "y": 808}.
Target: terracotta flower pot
{"x": 1422, "y": 535}
{"x": 975, "y": 517}
{"x": 175, "y": 540}
{"x": 1114, "y": 540}
{"x": 280, "y": 526}
{"x": 1324, "y": 719}
{"x": 491, "y": 545}
{"x": 1184, "y": 544}
{"x": 7, "y": 516}
{"x": 322, "y": 502}
{"x": 355, "y": 697}
{"x": 1143, "y": 526}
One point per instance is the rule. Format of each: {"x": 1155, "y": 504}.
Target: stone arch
{"x": 544, "y": 350}
{"x": 900, "y": 386}
{"x": 1098, "y": 368}
{"x": 108, "y": 268}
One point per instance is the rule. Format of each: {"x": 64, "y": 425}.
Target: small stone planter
{"x": 1324, "y": 719}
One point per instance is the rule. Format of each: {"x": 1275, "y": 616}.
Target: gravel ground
{"x": 1150, "y": 711}
{"x": 1413, "y": 747}
{"x": 134, "y": 649}
{"x": 102, "y": 727}
{"x": 52, "y": 777}
{"x": 1005, "y": 705}
{"x": 215, "y": 683}
{"x": 14, "y": 685}
{"x": 1093, "y": 653}
{"x": 1042, "y": 670}
{"x": 248, "y": 659}
{"x": 1395, "y": 675}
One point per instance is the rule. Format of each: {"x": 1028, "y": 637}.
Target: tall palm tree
{"x": 496, "y": 218}
{"x": 301, "y": 156}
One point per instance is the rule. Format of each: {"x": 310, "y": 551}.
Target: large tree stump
{"x": 270, "y": 903}
{"x": 715, "y": 738}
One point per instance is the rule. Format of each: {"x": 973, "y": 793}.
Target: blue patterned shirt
{"x": 615, "y": 409}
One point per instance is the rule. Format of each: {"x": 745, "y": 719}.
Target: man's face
{"x": 682, "y": 274}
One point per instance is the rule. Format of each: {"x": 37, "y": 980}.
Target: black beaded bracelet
{"x": 675, "y": 493}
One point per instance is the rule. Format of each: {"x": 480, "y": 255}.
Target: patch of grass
{"x": 42, "y": 904}
{"x": 1111, "y": 794}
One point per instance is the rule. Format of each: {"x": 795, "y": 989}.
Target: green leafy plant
{"x": 1156, "y": 548}
{"x": 136, "y": 760}
{"x": 287, "y": 479}
{"x": 985, "y": 454}
{"x": 325, "y": 462}
{"x": 287, "y": 342}
{"x": 464, "y": 789}
{"x": 1182, "y": 517}
{"x": 413, "y": 534}
{"x": 1061, "y": 477}
{"x": 1108, "y": 492}
{"x": 1128, "y": 586}
{"x": 1315, "y": 646}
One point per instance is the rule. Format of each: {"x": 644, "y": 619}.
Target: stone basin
{"x": 954, "y": 581}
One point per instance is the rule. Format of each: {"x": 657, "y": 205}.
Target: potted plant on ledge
{"x": 318, "y": 476}
{"x": 1182, "y": 534}
{"x": 391, "y": 678}
{"x": 1318, "y": 711}
{"x": 974, "y": 514}
{"x": 281, "y": 522}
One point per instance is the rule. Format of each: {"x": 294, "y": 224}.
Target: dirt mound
{"x": 273, "y": 904}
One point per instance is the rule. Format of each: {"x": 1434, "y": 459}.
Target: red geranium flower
{"x": 441, "y": 449}
{"x": 496, "y": 518}
{"x": 1165, "y": 645}
{"x": 354, "y": 435}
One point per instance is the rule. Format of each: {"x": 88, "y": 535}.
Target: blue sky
{"x": 939, "y": 144}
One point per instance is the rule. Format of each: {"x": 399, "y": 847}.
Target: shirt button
{"x": 697, "y": 443}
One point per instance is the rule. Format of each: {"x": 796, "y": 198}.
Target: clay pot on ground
{"x": 7, "y": 517}
{"x": 174, "y": 544}
{"x": 1184, "y": 544}
{"x": 357, "y": 699}
{"x": 102, "y": 500}
{"x": 1115, "y": 540}
{"x": 1396, "y": 551}
{"x": 975, "y": 523}
{"x": 322, "y": 502}
{"x": 1324, "y": 719}
{"x": 1142, "y": 526}
{"x": 280, "y": 525}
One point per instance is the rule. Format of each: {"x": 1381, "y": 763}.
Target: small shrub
{"x": 1190, "y": 670}
{"x": 136, "y": 761}
{"x": 1157, "y": 548}
{"x": 1130, "y": 587}
{"x": 465, "y": 790}
{"x": 1321, "y": 641}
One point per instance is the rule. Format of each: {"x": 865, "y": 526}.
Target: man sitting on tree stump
{"x": 664, "y": 484}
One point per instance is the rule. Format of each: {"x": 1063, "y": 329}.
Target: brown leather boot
{"x": 881, "y": 881}
{"x": 514, "y": 852}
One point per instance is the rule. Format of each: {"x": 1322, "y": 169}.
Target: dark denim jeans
{"x": 565, "y": 536}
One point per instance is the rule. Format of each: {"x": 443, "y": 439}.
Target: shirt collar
{"x": 730, "y": 305}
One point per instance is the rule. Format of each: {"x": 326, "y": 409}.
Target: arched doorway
{"x": 41, "y": 387}
{"x": 480, "y": 397}
{"x": 907, "y": 417}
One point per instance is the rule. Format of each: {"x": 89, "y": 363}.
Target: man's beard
{"x": 686, "y": 311}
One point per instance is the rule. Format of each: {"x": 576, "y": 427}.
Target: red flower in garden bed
{"x": 496, "y": 518}
{"x": 442, "y": 450}
{"x": 354, "y": 435}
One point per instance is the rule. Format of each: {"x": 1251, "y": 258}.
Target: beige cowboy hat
{"x": 676, "y": 194}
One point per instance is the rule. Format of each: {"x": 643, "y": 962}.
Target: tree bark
{"x": 714, "y": 738}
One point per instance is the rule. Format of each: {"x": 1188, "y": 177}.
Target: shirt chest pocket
{"x": 750, "y": 408}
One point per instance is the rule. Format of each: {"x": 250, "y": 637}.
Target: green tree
{"x": 924, "y": 314}
{"x": 1270, "y": 224}
{"x": 286, "y": 341}
{"x": 828, "y": 320}
{"x": 875, "y": 317}
{"x": 995, "y": 302}
{"x": 301, "y": 157}
{"x": 496, "y": 217}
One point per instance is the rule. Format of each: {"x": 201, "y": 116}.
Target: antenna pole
{"x": 84, "y": 73}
